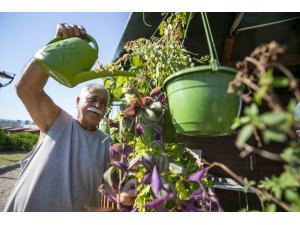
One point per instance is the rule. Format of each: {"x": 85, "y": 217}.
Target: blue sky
{"x": 22, "y": 34}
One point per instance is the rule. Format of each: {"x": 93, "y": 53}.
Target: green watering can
{"x": 69, "y": 61}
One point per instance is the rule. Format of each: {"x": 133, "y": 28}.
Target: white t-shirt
{"x": 64, "y": 172}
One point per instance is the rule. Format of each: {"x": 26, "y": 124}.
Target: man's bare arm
{"x": 30, "y": 89}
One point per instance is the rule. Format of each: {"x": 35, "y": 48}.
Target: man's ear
{"x": 77, "y": 101}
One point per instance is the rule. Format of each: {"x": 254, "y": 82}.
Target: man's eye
{"x": 91, "y": 99}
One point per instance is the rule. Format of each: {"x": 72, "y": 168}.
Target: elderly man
{"x": 66, "y": 169}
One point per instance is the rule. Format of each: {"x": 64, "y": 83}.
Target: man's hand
{"x": 66, "y": 30}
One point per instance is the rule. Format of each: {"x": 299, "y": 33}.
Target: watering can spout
{"x": 85, "y": 76}
{"x": 90, "y": 75}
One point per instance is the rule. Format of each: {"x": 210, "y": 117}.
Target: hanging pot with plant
{"x": 202, "y": 93}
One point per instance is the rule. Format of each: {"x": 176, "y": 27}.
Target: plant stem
{"x": 290, "y": 76}
{"x": 248, "y": 149}
{"x": 253, "y": 189}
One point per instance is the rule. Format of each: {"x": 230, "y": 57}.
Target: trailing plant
{"x": 262, "y": 75}
{"x": 166, "y": 176}
{"x": 152, "y": 60}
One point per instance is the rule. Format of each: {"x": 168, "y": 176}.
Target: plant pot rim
{"x": 195, "y": 69}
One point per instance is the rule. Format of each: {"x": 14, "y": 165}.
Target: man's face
{"x": 92, "y": 106}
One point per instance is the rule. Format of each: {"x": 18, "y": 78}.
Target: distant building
{"x": 15, "y": 123}
{"x": 14, "y": 126}
{"x": 22, "y": 129}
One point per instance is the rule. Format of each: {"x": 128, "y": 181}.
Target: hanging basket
{"x": 198, "y": 100}
{"x": 199, "y": 103}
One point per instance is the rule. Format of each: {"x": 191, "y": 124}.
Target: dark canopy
{"x": 244, "y": 30}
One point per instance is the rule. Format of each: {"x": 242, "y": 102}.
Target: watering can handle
{"x": 88, "y": 37}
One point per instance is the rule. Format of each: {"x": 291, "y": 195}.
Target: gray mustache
{"x": 95, "y": 110}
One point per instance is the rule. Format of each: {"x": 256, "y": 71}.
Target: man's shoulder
{"x": 61, "y": 121}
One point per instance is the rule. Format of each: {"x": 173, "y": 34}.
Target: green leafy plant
{"x": 169, "y": 177}
{"x": 152, "y": 60}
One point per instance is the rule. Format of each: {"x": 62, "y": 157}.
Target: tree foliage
{"x": 21, "y": 141}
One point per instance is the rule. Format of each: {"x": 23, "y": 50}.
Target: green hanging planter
{"x": 198, "y": 100}
{"x": 199, "y": 103}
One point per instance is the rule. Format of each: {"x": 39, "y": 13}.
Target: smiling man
{"x": 67, "y": 166}
{"x": 91, "y": 106}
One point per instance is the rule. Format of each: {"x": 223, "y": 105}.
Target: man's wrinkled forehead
{"x": 94, "y": 92}
{"x": 102, "y": 97}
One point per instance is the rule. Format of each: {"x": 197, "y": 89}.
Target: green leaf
{"x": 144, "y": 196}
{"x": 111, "y": 177}
{"x": 240, "y": 121}
{"x": 207, "y": 182}
{"x": 248, "y": 184}
{"x": 121, "y": 80}
{"x": 295, "y": 207}
{"x": 244, "y": 135}
{"x": 274, "y": 185}
{"x": 135, "y": 61}
{"x": 183, "y": 189}
{"x": 235, "y": 124}
{"x": 270, "y": 208}
{"x": 163, "y": 162}
{"x": 281, "y": 82}
{"x": 267, "y": 78}
{"x": 161, "y": 28}
{"x": 251, "y": 111}
{"x": 291, "y": 195}
{"x": 292, "y": 105}
{"x": 176, "y": 168}
{"x": 105, "y": 128}
{"x": 258, "y": 96}
{"x": 245, "y": 119}
{"x": 117, "y": 93}
{"x": 194, "y": 186}
{"x": 287, "y": 180}
{"x": 271, "y": 119}
{"x": 291, "y": 155}
{"x": 147, "y": 137}
{"x": 272, "y": 135}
